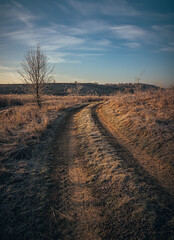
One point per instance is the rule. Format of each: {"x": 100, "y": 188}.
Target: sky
{"x": 104, "y": 41}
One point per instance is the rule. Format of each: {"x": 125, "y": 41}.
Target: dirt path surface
{"x": 99, "y": 191}
{"x": 74, "y": 214}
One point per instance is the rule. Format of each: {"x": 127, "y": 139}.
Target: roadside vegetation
{"x": 26, "y": 134}
{"x": 22, "y": 122}
{"x": 144, "y": 122}
{"x": 11, "y": 100}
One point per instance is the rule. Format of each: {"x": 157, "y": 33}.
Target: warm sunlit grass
{"x": 144, "y": 123}
{"x": 20, "y": 125}
{"x": 9, "y": 100}
{"x": 147, "y": 118}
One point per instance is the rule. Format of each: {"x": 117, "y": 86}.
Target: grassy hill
{"x": 64, "y": 89}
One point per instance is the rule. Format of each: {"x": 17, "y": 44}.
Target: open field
{"x": 23, "y": 125}
{"x": 88, "y": 167}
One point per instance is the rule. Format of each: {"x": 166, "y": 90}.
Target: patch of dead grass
{"x": 20, "y": 125}
{"x": 145, "y": 122}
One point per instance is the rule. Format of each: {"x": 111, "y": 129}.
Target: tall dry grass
{"x": 144, "y": 123}
{"x": 22, "y": 125}
{"x": 147, "y": 118}
{"x": 10, "y": 100}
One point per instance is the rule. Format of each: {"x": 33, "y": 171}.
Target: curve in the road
{"x": 100, "y": 191}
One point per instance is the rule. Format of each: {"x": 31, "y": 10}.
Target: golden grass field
{"x": 21, "y": 122}
{"x": 63, "y": 176}
{"x": 144, "y": 123}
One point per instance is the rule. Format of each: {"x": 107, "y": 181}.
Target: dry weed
{"x": 145, "y": 121}
{"x": 20, "y": 125}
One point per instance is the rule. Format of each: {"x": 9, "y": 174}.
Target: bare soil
{"x": 74, "y": 213}
{"x": 87, "y": 186}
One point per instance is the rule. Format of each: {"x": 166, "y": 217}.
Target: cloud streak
{"x": 109, "y": 7}
{"x": 132, "y": 45}
{"x": 128, "y": 32}
{"x": 82, "y": 35}
{"x": 5, "y": 68}
{"x": 15, "y": 12}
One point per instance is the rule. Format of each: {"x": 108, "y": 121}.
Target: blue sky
{"x": 105, "y": 41}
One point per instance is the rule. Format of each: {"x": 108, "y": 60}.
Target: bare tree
{"x": 36, "y": 72}
{"x": 137, "y": 81}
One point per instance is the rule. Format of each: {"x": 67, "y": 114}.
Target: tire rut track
{"x": 74, "y": 214}
{"x": 97, "y": 194}
{"x": 134, "y": 205}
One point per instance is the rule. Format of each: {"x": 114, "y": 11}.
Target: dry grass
{"x": 10, "y": 100}
{"x": 130, "y": 199}
{"x": 20, "y": 125}
{"x": 145, "y": 122}
{"x": 26, "y": 134}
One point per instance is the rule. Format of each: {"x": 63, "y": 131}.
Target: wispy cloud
{"x": 89, "y": 54}
{"x": 132, "y": 45}
{"x": 62, "y": 7}
{"x": 8, "y": 73}
{"x": 164, "y": 32}
{"x": 167, "y": 49}
{"x": 103, "y": 42}
{"x": 59, "y": 41}
{"x": 85, "y": 27}
{"x": 109, "y": 7}
{"x": 6, "y": 68}
{"x": 9, "y": 77}
{"x": 81, "y": 36}
{"x": 17, "y": 13}
{"x": 60, "y": 57}
{"x": 25, "y": 36}
{"x": 50, "y": 41}
{"x": 128, "y": 32}
{"x": 59, "y": 37}
{"x": 55, "y": 57}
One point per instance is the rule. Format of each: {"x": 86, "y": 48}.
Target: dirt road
{"x": 99, "y": 191}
